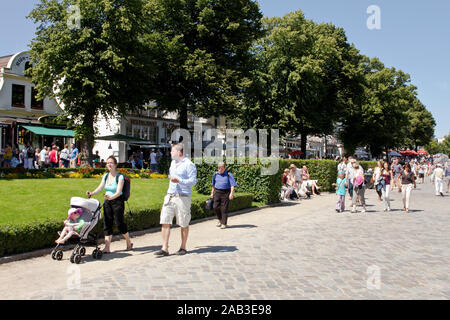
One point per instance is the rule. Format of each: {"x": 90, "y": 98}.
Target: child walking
{"x": 341, "y": 183}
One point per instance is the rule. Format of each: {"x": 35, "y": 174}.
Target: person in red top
{"x": 54, "y": 157}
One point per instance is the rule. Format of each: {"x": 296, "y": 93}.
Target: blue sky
{"x": 414, "y": 37}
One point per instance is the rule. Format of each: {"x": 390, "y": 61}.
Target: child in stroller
{"x": 72, "y": 226}
{"x": 86, "y": 213}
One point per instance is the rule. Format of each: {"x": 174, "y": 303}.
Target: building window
{"x": 35, "y": 103}
{"x": 18, "y": 96}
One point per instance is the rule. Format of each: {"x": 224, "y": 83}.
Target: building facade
{"x": 21, "y": 113}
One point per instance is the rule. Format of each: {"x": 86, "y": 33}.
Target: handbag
{"x": 209, "y": 204}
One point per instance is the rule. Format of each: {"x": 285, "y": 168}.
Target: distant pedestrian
{"x": 397, "y": 168}
{"x": 223, "y": 185}
{"x": 408, "y": 181}
{"x": 177, "y": 202}
{"x": 387, "y": 185}
{"x": 342, "y": 166}
{"x": 359, "y": 187}
{"x": 349, "y": 174}
{"x": 65, "y": 156}
{"x": 153, "y": 161}
{"x": 54, "y": 157}
{"x": 74, "y": 156}
{"x": 447, "y": 175}
{"x": 376, "y": 178}
{"x": 422, "y": 170}
{"x": 341, "y": 184}
{"x": 438, "y": 179}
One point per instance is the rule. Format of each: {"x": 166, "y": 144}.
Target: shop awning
{"x": 42, "y": 131}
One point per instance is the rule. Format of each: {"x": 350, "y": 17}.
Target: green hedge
{"x": 32, "y": 236}
{"x": 248, "y": 177}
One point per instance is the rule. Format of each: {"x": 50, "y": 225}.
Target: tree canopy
{"x": 100, "y": 68}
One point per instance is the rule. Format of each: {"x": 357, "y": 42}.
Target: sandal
{"x": 129, "y": 248}
{"x": 161, "y": 253}
{"x": 181, "y": 252}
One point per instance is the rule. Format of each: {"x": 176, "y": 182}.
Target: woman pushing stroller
{"x": 114, "y": 205}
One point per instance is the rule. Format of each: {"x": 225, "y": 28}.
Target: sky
{"x": 413, "y": 36}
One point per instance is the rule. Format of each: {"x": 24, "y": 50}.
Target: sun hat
{"x": 73, "y": 211}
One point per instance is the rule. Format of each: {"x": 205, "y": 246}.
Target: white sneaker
{"x": 385, "y": 209}
{"x": 363, "y": 210}
{"x": 388, "y": 209}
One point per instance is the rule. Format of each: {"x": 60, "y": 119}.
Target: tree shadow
{"x": 213, "y": 249}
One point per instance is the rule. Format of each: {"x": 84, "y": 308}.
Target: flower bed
{"x": 79, "y": 173}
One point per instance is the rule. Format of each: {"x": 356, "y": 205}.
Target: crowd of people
{"x": 137, "y": 160}
{"x": 46, "y": 157}
{"x": 385, "y": 178}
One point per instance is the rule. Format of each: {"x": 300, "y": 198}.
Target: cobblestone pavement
{"x": 301, "y": 251}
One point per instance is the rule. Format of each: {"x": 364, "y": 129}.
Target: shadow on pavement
{"x": 243, "y": 226}
{"x": 214, "y": 249}
{"x": 145, "y": 250}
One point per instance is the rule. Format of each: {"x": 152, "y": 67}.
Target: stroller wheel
{"x": 59, "y": 255}
{"x": 82, "y": 251}
{"x": 99, "y": 254}
{"x": 72, "y": 256}
{"x": 94, "y": 253}
{"x": 77, "y": 258}
{"x": 54, "y": 255}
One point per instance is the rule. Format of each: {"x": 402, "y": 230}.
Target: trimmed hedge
{"x": 32, "y": 236}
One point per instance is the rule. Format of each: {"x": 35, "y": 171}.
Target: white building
{"x": 20, "y": 111}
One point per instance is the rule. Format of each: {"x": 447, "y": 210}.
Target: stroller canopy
{"x": 88, "y": 204}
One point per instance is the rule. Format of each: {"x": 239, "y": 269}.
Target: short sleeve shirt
{"x": 341, "y": 186}
{"x": 223, "y": 181}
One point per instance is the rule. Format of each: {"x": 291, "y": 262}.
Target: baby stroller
{"x": 91, "y": 215}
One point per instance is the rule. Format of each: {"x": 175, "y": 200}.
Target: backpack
{"x": 126, "y": 186}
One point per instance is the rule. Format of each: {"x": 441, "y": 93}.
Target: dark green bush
{"x": 32, "y": 236}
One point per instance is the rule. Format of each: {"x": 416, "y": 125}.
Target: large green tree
{"x": 99, "y": 67}
{"x": 202, "y": 50}
{"x": 306, "y": 74}
{"x": 379, "y": 122}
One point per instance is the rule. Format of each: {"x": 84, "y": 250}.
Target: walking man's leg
{"x": 165, "y": 232}
{"x": 184, "y": 237}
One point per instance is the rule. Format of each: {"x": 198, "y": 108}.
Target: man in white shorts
{"x": 177, "y": 202}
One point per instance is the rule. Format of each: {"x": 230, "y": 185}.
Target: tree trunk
{"x": 87, "y": 141}
{"x": 183, "y": 117}
{"x": 303, "y": 141}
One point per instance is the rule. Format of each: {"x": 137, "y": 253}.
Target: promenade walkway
{"x": 301, "y": 251}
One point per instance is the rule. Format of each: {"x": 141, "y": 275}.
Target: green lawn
{"x": 37, "y": 199}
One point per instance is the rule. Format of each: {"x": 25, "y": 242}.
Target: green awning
{"x": 42, "y": 131}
